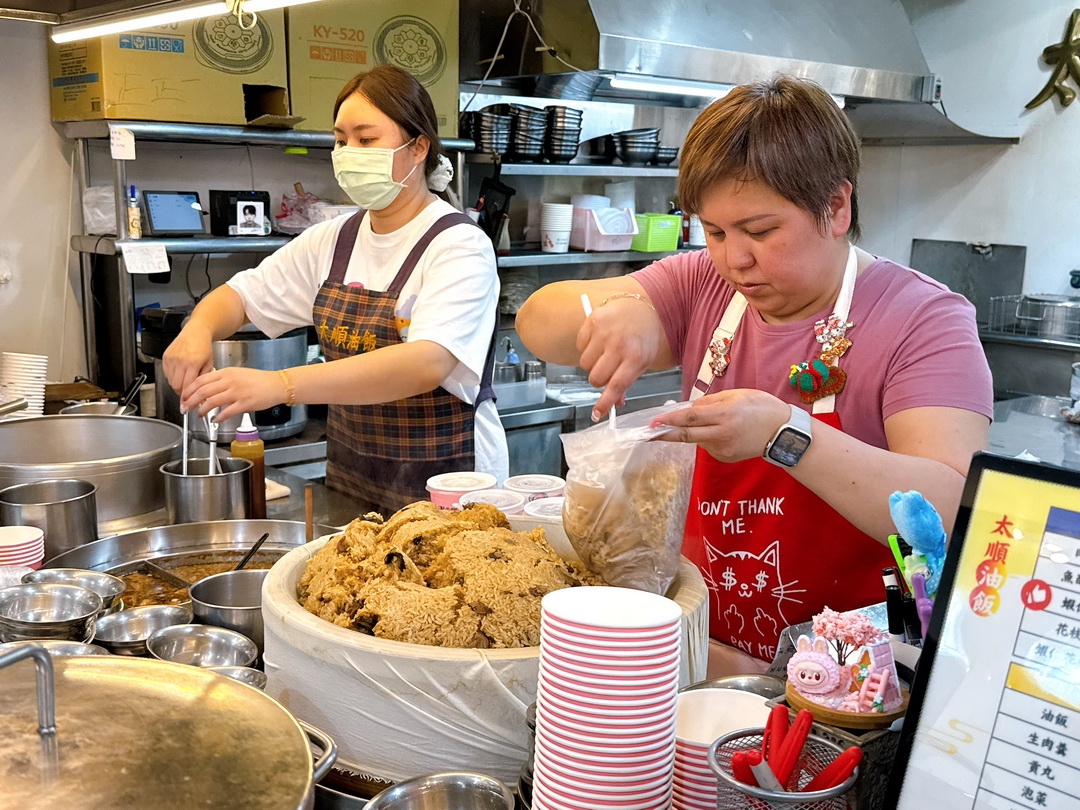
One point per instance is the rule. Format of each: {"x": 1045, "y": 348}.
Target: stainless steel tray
{"x": 184, "y": 538}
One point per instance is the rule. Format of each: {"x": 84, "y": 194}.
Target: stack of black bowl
{"x": 488, "y": 128}
{"x": 562, "y": 134}
{"x": 637, "y": 147}
{"x": 527, "y": 125}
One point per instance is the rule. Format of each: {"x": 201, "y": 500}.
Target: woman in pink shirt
{"x": 822, "y": 378}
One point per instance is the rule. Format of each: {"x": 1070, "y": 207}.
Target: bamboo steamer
{"x": 399, "y": 710}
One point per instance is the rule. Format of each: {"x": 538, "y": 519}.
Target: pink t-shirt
{"x": 914, "y": 343}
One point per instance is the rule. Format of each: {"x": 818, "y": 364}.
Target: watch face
{"x": 789, "y": 447}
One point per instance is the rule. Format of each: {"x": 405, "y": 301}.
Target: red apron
{"x": 771, "y": 551}
{"x": 383, "y": 454}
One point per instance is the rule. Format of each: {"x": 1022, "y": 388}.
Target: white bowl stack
{"x": 703, "y": 715}
{"x": 556, "y": 220}
{"x": 606, "y": 698}
{"x": 23, "y": 375}
{"x": 22, "y": 545}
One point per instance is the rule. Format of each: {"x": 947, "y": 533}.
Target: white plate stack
{"x": 555, "y": 222}
{"x": 23, "y": 375}
{"x": 703, "y": 715}
{"x": 606, "y": 697}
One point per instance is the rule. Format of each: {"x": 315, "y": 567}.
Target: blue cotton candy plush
{"x": 920, "y": 525}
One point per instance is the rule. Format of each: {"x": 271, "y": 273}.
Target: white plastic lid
{"x": 511, "y": 503}
{"x": 465, "y": 481}
{"x": 535, "y": 482}
{"x": 545, "y": 507}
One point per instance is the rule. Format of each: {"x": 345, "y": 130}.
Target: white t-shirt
{"x": 449, "y": 299}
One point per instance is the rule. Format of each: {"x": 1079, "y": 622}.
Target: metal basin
{"x": 48, "y": 610}
{"x": 202, "y": 646}
{"x": 104, "y": 585}
{"x": 57, "y": 649}
{"x": 120, "y": 454}
{"x": 126, "y": 632}
{"x": 461, "y": 790}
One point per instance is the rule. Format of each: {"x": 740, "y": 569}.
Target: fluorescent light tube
{"x": 163, "y": 14}
{"x": 676, "y": 87}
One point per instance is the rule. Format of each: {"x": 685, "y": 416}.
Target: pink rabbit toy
{"x": 816, "y": 675}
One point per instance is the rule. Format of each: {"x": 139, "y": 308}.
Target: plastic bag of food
{"x": 626, "y": 499}
{"x": 297, "y": 211}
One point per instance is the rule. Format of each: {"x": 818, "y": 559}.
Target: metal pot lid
{"x": 136, "y": 733}
{"x": 1053, "y": 298}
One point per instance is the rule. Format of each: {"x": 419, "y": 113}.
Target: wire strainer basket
{"x": 816, "y": 753}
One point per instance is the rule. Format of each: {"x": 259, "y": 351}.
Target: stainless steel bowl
{"x": 48, "y": 610}
{"x": 126, "y": 632}
{"x": 58, "y": 648}
{"x": 248, "y": 675}
{"x": 232, "y": 599}
{"x": 104, "y": 585}
{"x": 768, "y": 686}
{"x": 461, "y": 790}
{"x": 106, "y": 408}
{"x": 202, "y": 646}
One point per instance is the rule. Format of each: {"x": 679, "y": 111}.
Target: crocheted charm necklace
{"x": 821, "y": 376}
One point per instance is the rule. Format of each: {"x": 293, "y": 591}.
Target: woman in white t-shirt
{"x": 403, "y": 297}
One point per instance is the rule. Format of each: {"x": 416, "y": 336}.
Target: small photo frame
{"x": 249, "y": 218}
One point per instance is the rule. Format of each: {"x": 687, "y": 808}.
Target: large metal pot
{"x": 251, "y": 350}
{"x": 1050, "y": 316}
{"x": 133, "y": 733}
{"x": 123, "y": 551}
{"x": 119, "y": 454}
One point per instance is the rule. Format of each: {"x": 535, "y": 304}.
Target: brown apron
{"x": 383, "y": 454}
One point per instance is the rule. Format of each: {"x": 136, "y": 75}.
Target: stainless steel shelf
{"x": 214, "y": 133}
{"x": 532, "y": 258}
{"x": 107, "y": 245}
{"x": 575, "y": 169}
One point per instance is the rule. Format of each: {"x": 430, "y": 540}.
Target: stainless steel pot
{"x": 132, "y": 733}
{"x": 121, "y": 455}
{"x": 251, "y": 350}
{"x": 1050, "y": 316}
{"x": 125, "y": 550}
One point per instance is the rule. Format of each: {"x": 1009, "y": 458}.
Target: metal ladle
{"x": 251, "y": 552}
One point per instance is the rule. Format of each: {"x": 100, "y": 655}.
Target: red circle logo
{"x": 1036, "y": 594}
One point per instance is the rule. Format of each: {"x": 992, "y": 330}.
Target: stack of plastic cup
{"x": 23, "y": 375}
{"x": 606, "y": 697}
{"x": 555, "y": 222}
{"x": 703, "y": 715}
{"x": 22, "y": 545}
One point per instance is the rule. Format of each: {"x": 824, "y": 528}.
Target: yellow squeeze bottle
{"x": 247, "y": 444}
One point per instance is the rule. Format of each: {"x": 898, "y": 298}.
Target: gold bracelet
{"x": 637, "y": 296}
{"x": 290, "y": 391}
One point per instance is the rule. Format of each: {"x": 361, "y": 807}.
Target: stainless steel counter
{"x": 1035, "y": 424}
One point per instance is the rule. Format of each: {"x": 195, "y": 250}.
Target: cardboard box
{"x": 194, "y": 72}
{"x": 333, "y": 40}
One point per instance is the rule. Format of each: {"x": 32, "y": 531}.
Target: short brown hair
{"x": 785, "y": 132}
{"x": 398, "y": 95}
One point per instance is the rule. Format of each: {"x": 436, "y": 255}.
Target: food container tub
{"x": 587, "y": 233}
{"x": 536, "y": 486}
{"x": 509, "y": 503}
{"x": 657, "y": 232}
{"x": 445, "y": 489}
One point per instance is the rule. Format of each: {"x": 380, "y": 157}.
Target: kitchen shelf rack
{"x": 109, "y": 245}
{"x": 613, "y": 170}
{"x": 536, "y": 258}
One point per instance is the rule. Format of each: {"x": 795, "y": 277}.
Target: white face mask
{"x": 366, "y": 174}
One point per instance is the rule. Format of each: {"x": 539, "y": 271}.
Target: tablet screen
{"x": 994, "y": 719}
{"x": 173, "y": 213}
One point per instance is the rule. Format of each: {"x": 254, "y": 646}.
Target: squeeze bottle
{"x": 247, "y": 444}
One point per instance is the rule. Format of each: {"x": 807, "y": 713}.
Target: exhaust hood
{"x": 864, "y": 51}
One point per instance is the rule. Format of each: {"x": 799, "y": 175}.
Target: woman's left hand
{"x": 729, "y": 425}
{"x": 233, "y": 391}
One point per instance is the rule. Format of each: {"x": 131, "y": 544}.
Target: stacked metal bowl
{"x": 562, "y": 134}
{"x": 490, "y": 130}
{"x": 600, "y": 149}
{"x": 637, "y": 147}
{"x": 665, "y": 155}
{"x": 527, "y": 127}
{"x": 48, "y": 610}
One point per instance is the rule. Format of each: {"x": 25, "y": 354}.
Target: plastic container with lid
{"x": 536, "y": 485}
{"x": 509, "y": 503}
{"x": 446, "y": 489}
{"x": 247, "y": 444}
{"x": 545, "y": 507}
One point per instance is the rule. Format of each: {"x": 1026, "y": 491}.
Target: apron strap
{"x": 343, "y": 248}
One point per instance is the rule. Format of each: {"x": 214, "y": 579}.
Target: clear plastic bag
{"x": 99, "y": 210}
{"x": 626, "y": 500}
{"x": 298, "y": 211}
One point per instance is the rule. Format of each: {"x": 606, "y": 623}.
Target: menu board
{"x": 994, "y": 721}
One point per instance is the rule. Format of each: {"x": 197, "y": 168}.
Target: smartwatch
{"x": 791, "y": 440}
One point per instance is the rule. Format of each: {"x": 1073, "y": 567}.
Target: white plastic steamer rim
{"x": 534, "y": 483}
{"x": 545, "y": 507}
{"x": 461, "y": 481}
{"x": 501, "y": 498}
{"x": 606, "y": 606}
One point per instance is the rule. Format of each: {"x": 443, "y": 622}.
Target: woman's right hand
{"x": 618, "y": 342}
{"x": 188, "y": 356}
